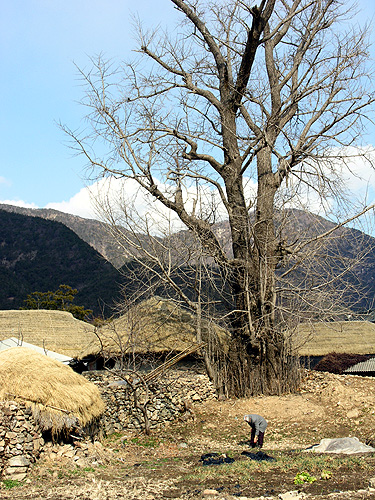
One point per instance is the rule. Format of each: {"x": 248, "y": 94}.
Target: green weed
{"x": 114, "y": 436}
{"x": 76, "y": 472}
{"x": 325, "y": 474}
{"x": 304, "y": 477}
{"x": 11, "y": 483}
{"x": 88, "y": 469}
{"x": 147, "y": 442}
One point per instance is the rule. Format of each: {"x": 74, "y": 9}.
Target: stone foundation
{"x": 21, "y": 440}
{"x": 170, "y": 398}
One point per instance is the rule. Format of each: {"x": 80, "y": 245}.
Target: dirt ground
{"x": 167, "y": 463}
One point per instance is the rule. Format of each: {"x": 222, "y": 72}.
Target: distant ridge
{"x": 39, "y": 255}
{"x": 91, "y": 231}
{"x": 346, "y": 242}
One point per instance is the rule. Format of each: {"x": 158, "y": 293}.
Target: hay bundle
{"x": 60, "y": 399}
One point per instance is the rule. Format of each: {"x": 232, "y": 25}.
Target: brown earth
{"x": 167, "y": 463}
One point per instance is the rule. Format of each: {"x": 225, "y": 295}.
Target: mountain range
{"x": 92, "y": 231}
{"x": 43, "y": 248}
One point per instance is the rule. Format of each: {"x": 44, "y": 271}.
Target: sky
{"x": 41, "y": 43}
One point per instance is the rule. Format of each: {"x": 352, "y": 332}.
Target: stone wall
{"x": 170, "y": 397}
{"x": 20, "y": 440}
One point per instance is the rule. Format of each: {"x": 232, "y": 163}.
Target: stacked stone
{"x": 167, "y": 398}
{"x": 20, "y": 440}
{"x": 81, "y": 453}
{"x": 188, "y": 385}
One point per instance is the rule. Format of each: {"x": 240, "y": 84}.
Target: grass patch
{"x": 296, "y": 463}
{"x": 88, "y": 469}
{"x": 76, "y": 472}
{"x": 11, "y": 483}
{"x": 114, "y": 436}
{"x": 146, "y": 441}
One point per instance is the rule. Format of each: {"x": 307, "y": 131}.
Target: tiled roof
{"x": 364, "y": 366}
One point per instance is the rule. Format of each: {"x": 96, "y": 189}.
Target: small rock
{"x": 11, "y": 435}
{"x": 210, "y": 492}
{"x": 292, "y": 495}
{"x": 353, "y": 413}
{"x": 69, "y": 454}
{"x": 81, "y": 462}
{"x": 17, "y": 477}
{"x": 19, "y": 461}
{"x": 371, "y": 482}
{"x": 182, "y": 445}
{"x": 10, "y": 471}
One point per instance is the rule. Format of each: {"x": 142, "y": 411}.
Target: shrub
{"x": 335, "y": 362}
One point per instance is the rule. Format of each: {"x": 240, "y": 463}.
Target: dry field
{"x": 167, "y": 463}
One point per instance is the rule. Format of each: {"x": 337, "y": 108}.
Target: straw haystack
{"x": 154, "y": 326}
{"x": 59, "y": 398}
{"x": 319, "y": 339}
{"x": 56, "y": 331}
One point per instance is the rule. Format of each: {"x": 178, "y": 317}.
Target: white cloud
{"x": 4, "y": 181}
{"x": 18, "y": 203}
{"x": 357, "y": 173}
{"x": 125, "y": 194}
{"x": 80, "y": 204}
{"x": 344, "y": 181}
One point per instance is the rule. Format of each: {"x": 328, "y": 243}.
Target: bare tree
{"x": 266, "y": 95}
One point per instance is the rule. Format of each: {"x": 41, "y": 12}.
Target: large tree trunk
{"x": 258, "y": 361}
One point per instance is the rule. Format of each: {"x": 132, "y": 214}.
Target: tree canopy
{"x": 60, "y": 300}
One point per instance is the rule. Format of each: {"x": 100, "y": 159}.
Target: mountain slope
{"x": 91, "y": 231}
{"x": 39, "y": 255}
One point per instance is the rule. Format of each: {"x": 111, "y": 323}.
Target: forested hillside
{"x": 39, "y": 255}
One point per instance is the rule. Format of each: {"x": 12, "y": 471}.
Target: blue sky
{"x": 40, "y": 40}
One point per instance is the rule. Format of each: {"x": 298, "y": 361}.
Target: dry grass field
{"x": 167, "y": 463}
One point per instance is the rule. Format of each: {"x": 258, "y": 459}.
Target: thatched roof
{"x": 319, "y": 339}
{"x": 56, "y": 331}
{"x": 59, "y": 397}
{"x": 155, "y": 325}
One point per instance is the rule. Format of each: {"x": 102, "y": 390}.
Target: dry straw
{"x": 56, "y": 331}
{"x": 59, "y": 398}
{"x": 321, "y": 338}
{"x": 155, "y": 325}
